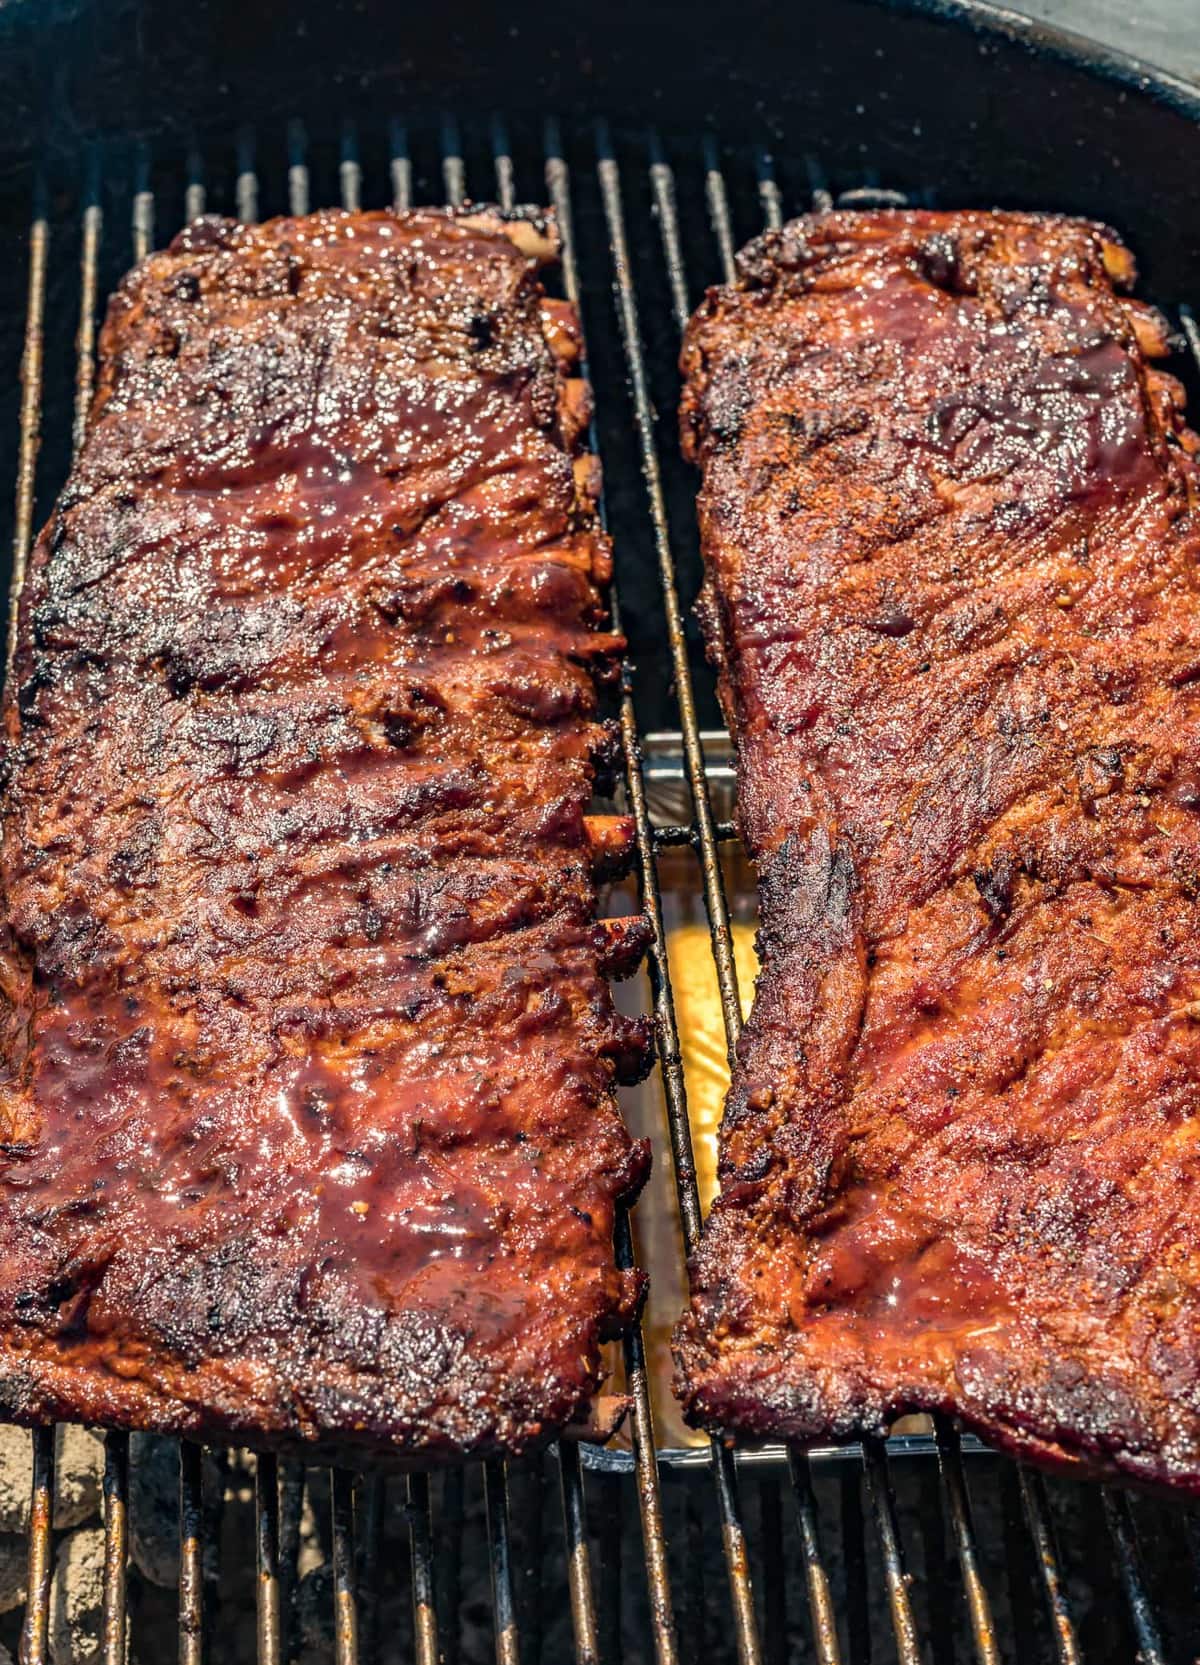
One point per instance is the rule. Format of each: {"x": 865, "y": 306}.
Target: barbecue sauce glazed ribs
{"x": 309, "y": 1124}
{"x": 949, "y": 522}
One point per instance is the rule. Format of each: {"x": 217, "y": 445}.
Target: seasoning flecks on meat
{"x": 308, "y": 1102}
{"x": 950, "y": 529}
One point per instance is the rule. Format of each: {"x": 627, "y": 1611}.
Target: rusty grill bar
{"x": 755, "y": 1622}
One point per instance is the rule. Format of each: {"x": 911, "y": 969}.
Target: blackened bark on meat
{"x": 310, "y": 1132}
{"x": 950, "y": 531}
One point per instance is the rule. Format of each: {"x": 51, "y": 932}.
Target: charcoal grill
{"x": 820, "y": 1551}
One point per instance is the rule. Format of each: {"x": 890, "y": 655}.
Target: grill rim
{"x": 1066, "y": 46}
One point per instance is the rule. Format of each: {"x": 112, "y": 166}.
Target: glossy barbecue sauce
{"x": 948, "y": 518}
{"x": 321, "y": 1058}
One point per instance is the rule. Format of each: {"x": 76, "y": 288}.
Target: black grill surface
{"x": 925, "y": 1548}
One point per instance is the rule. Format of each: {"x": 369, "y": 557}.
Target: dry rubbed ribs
{"x": 950, "y": 528}
{"x": 309, "y": 1129}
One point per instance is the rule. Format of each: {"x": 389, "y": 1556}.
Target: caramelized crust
{"x": 949, "y": 522}
{"x": 308, "y": 1114}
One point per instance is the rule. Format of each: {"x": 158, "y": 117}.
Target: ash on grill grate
{"x": 927, "y": 1549}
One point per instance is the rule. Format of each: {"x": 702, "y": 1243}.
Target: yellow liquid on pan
{"x": 702, "y": 1033}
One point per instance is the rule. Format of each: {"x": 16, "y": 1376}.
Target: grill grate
{"x": 755, "y": 1631}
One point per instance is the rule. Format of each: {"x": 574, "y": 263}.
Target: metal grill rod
{"x": 706, "y": 834}
{"x": 400, "y": 168}
{"x": 662, "y": 186}
{"x": 1037, "y": 1516}
{"x": 1191, "y": 332}
{"x": 191, "y": 1568}
{"x": 820, "y": 1596}
{"x": 502, "y": 158}
{"x": 693, "y": 750}
{"x": 732, "y": 1532}
{"x": 116, "y": 1548}
{"x": 769, "y": 197}
{"x": 454, "y": 176}
{"x": 246, "y": 189}
{"x": 345, "y": 1584}
{"x": 195, "y": 197}
{"x": 954, "y": 1484}
{"x": 297, "y": 174}
{"x": 665, "y": 1023}
{"x": 579, "y": 1570}
{"x": 558, "y": 187}
{"x": 31, "y": 406}
{"x": 142, "y": 215}
{"x": 1119, "y": 1517}
{"x": 718, "y": 208}
{"x": 36, "y": 1626}
{"x": 627, "y": 312}
{"x": 645, "y": 1459}
{"x": 822, "y": 200}
{"x": 349, "y": 170}
{"x": 504, "y": 1609}
{"x": 266, "y": 1541}
{"x": 883, "y": 1507}
{"x": 824, "y": 1634}
{"x": 579, "y": 1575}
{"x": 420, "y": 1533}
{"x": 85, "y": 335}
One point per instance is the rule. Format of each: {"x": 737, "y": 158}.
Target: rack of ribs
{"x": 950, "y": 531}
{"x": 309, "y": 1058}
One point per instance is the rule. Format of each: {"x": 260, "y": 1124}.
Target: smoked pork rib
{"x": 950, "y": 532}
{"x": 309, "y": 1125}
